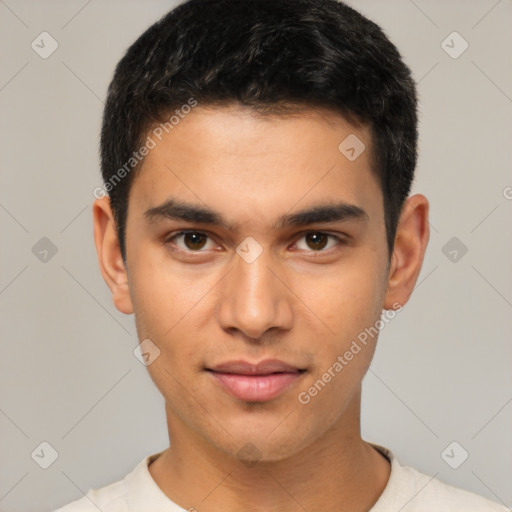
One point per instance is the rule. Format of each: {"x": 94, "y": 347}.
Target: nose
{"x": 255, "y": 298}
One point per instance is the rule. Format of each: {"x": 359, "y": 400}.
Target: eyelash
{"x": 340, "y": 241}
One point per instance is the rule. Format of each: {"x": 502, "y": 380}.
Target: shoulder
{"x": 136, "y": 488}
{"x": 409, "y": 490}
{"x": 110, "y": 498}
{"x": 442, "y": 497}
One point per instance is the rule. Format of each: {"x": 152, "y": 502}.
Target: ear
{"x": 411, "y": 241}
{"x": 110, "y": 260}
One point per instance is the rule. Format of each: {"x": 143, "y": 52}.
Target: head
{"x": 282, "y": 136}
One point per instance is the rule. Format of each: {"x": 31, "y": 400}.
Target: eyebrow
{"x": 188, "y": 212}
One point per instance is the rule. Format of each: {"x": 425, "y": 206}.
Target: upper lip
{"x": 265, "y": 367}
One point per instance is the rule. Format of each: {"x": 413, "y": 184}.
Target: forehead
{"x": 249, "y": 166}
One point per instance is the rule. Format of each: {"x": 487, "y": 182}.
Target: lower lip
{"x": 256, "y": 388}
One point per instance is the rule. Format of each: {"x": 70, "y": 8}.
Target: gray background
{"x": 68, "y": 375}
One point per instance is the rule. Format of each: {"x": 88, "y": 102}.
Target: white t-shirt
{"x": 407, "y": 490}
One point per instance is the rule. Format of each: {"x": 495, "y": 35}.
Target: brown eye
{"x": 194, "y": 241}
{"x": 191, "y": 241}
{"x": 317, "y": 241}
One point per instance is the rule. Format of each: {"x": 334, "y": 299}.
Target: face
{"x": 256, "y": 256}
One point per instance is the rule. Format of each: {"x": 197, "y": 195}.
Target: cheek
{"x": 170, "y": 310}
{"x": 346, "y": 300}
{"x": 167, "y": 316}
{"x": 165, "y": 294}
{"x": 336, "y": 378}
{"x": 349, "y": 304}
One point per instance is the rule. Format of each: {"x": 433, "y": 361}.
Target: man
{"x": 258, "y": 157}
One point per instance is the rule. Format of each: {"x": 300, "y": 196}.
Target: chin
{"x": 261, "y": 448}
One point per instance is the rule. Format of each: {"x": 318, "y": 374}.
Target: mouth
{"x": 256, "y": 382}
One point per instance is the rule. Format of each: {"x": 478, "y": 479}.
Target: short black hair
{"x": 273, "y": 56}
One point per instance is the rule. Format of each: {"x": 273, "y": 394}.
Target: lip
{"x": 255, "y": 382}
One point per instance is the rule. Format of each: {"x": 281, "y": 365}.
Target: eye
{"x": 196, "y": 241}
{"x": 193, "y": 241}
{"x": 318, "y": 241}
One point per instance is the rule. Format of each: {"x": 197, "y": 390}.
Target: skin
{"x": 299, "y": 301}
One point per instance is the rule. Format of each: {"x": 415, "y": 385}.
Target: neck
{"x": 339, "y": 468}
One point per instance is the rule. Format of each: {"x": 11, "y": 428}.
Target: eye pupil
{"x": 196, "y": 240}
{"x": 318, "y": 240}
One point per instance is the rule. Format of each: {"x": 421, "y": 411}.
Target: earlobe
{"x": 411, "y": 241}
{"x": 109, "y": 255}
